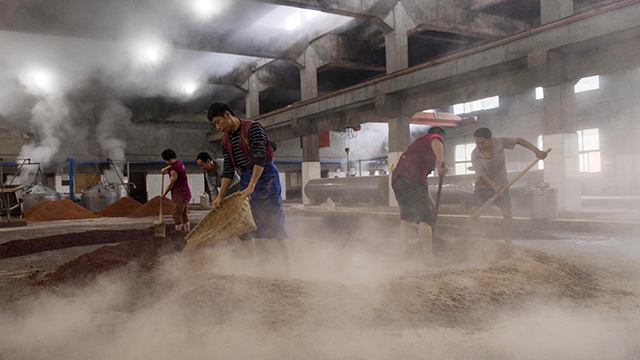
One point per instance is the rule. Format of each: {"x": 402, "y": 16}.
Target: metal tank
{"x": 37, "y": 194}
{"x": 350, "y": 190}
{"x": 544, "y": 202}
{"x": 100, "y": 196}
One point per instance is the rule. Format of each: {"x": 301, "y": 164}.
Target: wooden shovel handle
{"x": 438, "y": 195}
{"x": 161, "y": 199}
{"x": 490, "y": 201}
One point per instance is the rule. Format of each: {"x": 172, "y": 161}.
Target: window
{"x": 540, "y": 146}
{"x": 585, "y": 84}
{"x": 589, "y": 147}
{"x": 588, "y": 84}
{"x": 463, "y": 158}
{"x": 477, "y": 105}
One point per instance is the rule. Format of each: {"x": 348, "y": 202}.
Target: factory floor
{"x": 362, "y": 256}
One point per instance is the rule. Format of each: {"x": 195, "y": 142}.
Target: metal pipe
{"x": 119, "y": 177}
{"x": 20, "y": 168}
{"x": 72, "y": 187}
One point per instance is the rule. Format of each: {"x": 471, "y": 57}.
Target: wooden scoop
{"x": 160, "y": 228}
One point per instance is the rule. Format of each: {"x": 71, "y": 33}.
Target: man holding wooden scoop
{"x": 409, "y": 182}
{"x": 490, "y": 167}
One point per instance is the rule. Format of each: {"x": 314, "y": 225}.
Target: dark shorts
{"x": 413, "y": 198}
{"x": 180, "y": 211}
{"x": 482, "y": 195}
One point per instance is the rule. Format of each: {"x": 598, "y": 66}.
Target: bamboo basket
{"x": 233, "y": 218}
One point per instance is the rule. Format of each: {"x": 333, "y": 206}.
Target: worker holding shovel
{"x": 179, "y": 187}
{"x": 245, "y": 147}
{"x": 409, "y": 182}
{"x": 491, "y": 170}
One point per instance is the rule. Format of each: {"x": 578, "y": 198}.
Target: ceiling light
{"x": 152, "y": 54}
{"x": 205, "y": 9}
{"x": 190, "y": 88}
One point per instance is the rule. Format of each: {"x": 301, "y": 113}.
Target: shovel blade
{"x": 160, "y": 230}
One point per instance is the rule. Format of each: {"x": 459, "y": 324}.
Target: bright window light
{"x": 588, "y": 84}
{"x": 589, "y": 147}
{"x": 541, "y": 147}
{"x": 491, "y": 103}
{"x": 463, "y": 158}
{"x": 539, "y": 93}
{"x": 477, "y": 105}
{"x": 429, "y": 111}
{"x": 294, "y": 21}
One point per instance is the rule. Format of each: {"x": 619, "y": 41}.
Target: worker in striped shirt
{"x": 245, "y": 147}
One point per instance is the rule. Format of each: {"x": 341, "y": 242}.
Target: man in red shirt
{"x": 409, "y": 182}
{"x": 179, "y": 187}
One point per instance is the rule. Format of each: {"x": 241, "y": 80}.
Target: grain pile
{"x": 145, "y": 251}
{"x": 152, "y": 207}
{"x": 57, "y": 210}
{"x": 123, "y": 207}
{"x": 473, "y": 283}
{"x": 24, "y": 247}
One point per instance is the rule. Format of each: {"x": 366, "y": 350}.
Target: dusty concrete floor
{"x": 612, "y": 257}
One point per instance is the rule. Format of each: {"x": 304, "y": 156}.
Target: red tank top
{"x": 419, "y": 160}
{"x": 181, "y": 187}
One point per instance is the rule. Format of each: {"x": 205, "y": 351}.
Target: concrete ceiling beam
{"x": 581, "y": 29}
{"x": 333, "y": 50}
{"x": 444, "y": 18}
{"x": 478, "y": 5}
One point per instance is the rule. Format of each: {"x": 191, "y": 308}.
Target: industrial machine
{"x": 101, "y": 196}
{"x": 350, "y": 190}
{"x": 457, "y": 189}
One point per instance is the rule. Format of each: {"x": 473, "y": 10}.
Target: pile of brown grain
{"x": 145, "y": 251}
{"x": 123, "y": 207}
{"x": 152, "y": 208}
{"x": 57, "y": 210}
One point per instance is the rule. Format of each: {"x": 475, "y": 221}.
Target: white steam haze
{"x": 44, "y": 70}
{"x": 131, "y": 50}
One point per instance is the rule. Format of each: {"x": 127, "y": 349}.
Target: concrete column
{"x": 399, "y": 140}
{"x": 252, "y": 98}
{"x": 309, "y": 75}
{"x": 552, "y": 10}
{"x": 396, "y": 42}
{"x": 562, "y": 167}
{"x": 310, "y": 163}
{"x": 310, "y": 148}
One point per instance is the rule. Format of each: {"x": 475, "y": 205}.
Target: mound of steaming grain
{"x": 24, "y": 247}
{"x": 152, "y": 208}
{"x": 470, "y": 285}
{"x": 123, "y": 207}
{"x": 450, "y": 294}
{"x": 57, "y": 210}
{"x": 145, "y": 251}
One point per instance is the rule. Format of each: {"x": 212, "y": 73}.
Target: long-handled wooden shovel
{"x": 160, "y": 228}
{"x": 437, "y": 242}
{"x": 490, "y": 201}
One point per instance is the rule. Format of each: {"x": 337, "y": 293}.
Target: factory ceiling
{"x": 272, "y": 34}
